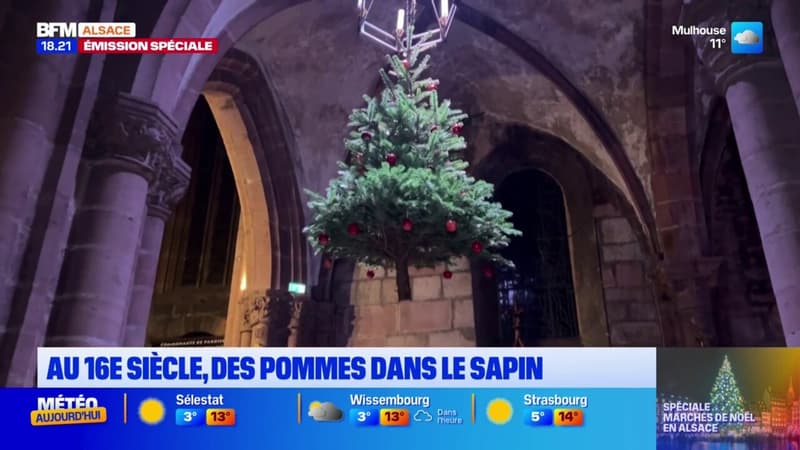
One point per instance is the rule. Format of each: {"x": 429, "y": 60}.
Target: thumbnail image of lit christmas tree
{"x": 404, "y": 198}
{"x": 725, "y": 395}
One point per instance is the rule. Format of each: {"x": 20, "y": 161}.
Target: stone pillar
{"x": 767, "y": 127}
{"x": 36, "y": 92}
{"x": 786, "y": 22}
{"x": 165, "y": 192}
{"x": 128, "y": 139}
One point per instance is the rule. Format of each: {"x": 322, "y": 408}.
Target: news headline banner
{"x": 346, "y": 367}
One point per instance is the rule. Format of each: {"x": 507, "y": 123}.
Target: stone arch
{"x": 174, "y": 83}
{"x": 227, "y": 22}
{"x": 614, "y": 304}
{"x": 230, "y": 22}
{"x": 522, "y": 48}
{"x": 270, "y": 248}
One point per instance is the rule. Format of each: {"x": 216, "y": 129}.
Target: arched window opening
{"x": 195, "y": 266}
{"x": 536, "y": 298}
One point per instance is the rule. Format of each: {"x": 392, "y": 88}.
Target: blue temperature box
{"x": 539, "y": 417}
{"x": 189, "y": 417}
{"x": 56, "y": 46}
{"x": 365, "y": 417}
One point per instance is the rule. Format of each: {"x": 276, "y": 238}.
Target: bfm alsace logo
{"x": 85, "y": 29}
{"x": 62, "y": 410}
{"x": 111, "y": 38}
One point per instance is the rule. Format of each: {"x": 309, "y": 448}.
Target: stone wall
{"x": 630, "y": 306}
{"x": 187, "y": 311}
{"x": 440, "y": 315}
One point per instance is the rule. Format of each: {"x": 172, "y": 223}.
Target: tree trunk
{"x": 403, "y": 281}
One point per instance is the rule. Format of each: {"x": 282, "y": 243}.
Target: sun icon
{"x": 499, "y": 411}
{"x": 151, "y": 411}
{"x": 314, "y": 405}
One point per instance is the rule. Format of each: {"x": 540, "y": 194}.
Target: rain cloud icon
{"x": 324, "y": 412}
{"x": 422, "y": 416}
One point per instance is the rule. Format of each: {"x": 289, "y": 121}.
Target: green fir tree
{"x": 404, "y": 197}
{"x": 725, "y": 395}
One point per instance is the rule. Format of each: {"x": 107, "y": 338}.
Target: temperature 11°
{"x": 717, "y": 43}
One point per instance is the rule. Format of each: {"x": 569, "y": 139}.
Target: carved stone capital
{"x": 169, "y": 184}
{"x": 254, "y": 307}
{"x": 724, "y": 67}
{"x": 131, "y": 132}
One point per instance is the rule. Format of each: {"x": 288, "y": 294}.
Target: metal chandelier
{"x": 404, "y": 40}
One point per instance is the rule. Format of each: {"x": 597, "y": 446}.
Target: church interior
{"x": 159, "y": 200}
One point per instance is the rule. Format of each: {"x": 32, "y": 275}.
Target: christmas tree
{"x": 404, "y": 197}
{"x": 725, "y": 395}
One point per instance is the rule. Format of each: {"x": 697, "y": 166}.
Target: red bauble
{"x": 487, "y": 271}
{"x": 323, "y": 239}
{"x": 353, "y": 229}
{"x": 456, "y": 129}
{"x": 327, "y": 263}
{"x": 447, "y": 274}
{"x": 451, "y": 226}
{"x": 434, "y": 127}
{"x": 406, "y": 64}
{"x": 370, "y": 274}
{"x": 391, "y": 158}
{"x": 477, "y": 247}
{"x": 432, "y": 86}
{"x": 408, "y": 225}
{"x": 367, "y": 136}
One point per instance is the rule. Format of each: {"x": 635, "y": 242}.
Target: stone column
{"x": 166, "y": 190}
{"x": 786, "y": 22}
{"x": 36, "y": 92}
{"x": 767, "y": 127}
{"x": 128, "y": 139}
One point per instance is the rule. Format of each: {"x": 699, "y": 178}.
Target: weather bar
{"x": 744, "y": 38}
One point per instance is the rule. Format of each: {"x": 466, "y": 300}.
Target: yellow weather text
{"x": 45, "y": 417}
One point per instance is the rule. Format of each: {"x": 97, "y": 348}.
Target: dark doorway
{"x": 536, "y": 299}
{"x": 197, "y": 255}
{"x": 745, "y": 309}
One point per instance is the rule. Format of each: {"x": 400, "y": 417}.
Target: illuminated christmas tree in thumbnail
{"x": 725, "y": 395}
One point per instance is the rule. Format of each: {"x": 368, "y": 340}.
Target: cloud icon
{"x": 324, "y": 412}
{"x": 422, "y": 416}
{"x": 747, "y": 37}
